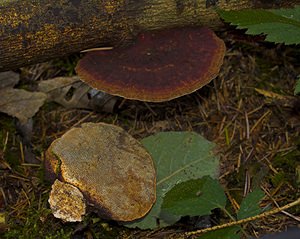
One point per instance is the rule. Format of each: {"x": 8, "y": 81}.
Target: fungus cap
{"x": 67, "y": 202}
{"x": 113, "y": 170}
{"x": 161, "y": 66}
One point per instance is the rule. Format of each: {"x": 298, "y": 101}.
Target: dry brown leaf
{"x": 57, "y": 90}
{"x": 270, "y": 94}
{"x": 73, "y": 93}
{"x": 50, "y": 85}
{"x": 111, "y": 168}
{"x": 8, "y": 79}
{"x": 21, "y": 104}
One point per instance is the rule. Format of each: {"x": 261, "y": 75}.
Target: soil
{"x": 249, "y": 111}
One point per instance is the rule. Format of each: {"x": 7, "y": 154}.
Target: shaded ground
{"x": 257, "y": 134}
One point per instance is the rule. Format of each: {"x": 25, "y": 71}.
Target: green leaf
{"x": 178, "y": 157}
{"x": 196, "y": 197}
{"x": 297, "y": 88}
{"x": 250, "y": 204}
{"x": 225, "y": 233}
{"x": 279, "y": 26}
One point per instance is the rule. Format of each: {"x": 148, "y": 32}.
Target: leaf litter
{"x": 20, "y": 103}
{"x": 251, "y": 131}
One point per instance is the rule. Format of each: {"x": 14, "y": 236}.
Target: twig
{"x": 284, "y": 212}
{"x": 98, "y": 49}
{"x": 269, "y": 112}
{"x": 249, "y": 219}
{"x": 5, "y": 142}
{"x": 247, "y": 126}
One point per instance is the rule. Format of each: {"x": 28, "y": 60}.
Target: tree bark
{"x": 33, "y": 31}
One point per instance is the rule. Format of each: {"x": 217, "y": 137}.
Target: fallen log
{"x": 33, "y": 31}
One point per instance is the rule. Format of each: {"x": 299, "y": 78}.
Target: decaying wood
{"x": 33, "y": 31}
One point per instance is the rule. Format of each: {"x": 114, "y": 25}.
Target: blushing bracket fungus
{"x": 161, "y": 66}
{"x": 112, "y": 170}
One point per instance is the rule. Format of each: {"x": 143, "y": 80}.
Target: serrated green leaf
{"x": 250, "y": 205}
{"x": 196, "y": 197}
{"x": 297, "y": 87}
{"x": 279, "y": 26}
{"x": 178, "y": 157}
{"x": 225, "y": 233}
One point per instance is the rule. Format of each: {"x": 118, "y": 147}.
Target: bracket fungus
{"x": 114, "y": 172}
{"x": 161, "y": 66}
{"x": 66, "y": 202}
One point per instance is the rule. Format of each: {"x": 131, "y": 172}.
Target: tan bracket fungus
{"x": 161, "y": 66}
{"x": 67, "y": 202}
{"x": 113, "y": 171}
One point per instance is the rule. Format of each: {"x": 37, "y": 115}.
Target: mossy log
{"x": 33, "y": 31}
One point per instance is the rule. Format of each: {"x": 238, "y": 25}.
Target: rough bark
{"x": 33, "y": 31}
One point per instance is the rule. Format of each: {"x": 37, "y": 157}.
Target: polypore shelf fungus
{"x": 66, "y": 202}
{"x": 161, "y": 66}
{"x": 112, "y": 170}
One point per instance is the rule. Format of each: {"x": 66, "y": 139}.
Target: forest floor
{"x": 249, "y": 111}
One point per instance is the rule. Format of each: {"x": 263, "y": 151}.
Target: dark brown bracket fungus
{"x": 161, "y": 66}
{"x": 114, "y": 172}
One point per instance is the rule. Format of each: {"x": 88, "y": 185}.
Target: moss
{"x": 278, "y": 179}
{"x": 57, "y": 169}
{"x": 36, "y": 222}
{"x": 286, "y": 164}
{"x": 8, "y": 144}
{"x": 100, "y": 229}
{"x": 12, "y": 157}
{"x": 67, "y": 65}
{"x": 35, "y": 232}
{"x": 268, "y": 75}
{"x": 7, "y": 126}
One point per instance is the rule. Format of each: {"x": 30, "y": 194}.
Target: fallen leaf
{"x": 61, "y": 90}
{"x": 57, "y": 83}
{"x": 270, "y": 94}
{"x": 71, "y": 92}
{"x": 196, "y": 197}
{"x": 225, "y": 233}
{"x": 21, "y": 104}
{"x": 8, "y": 79}
{"x": 250, "y": 204}
{"x": 178, "y": 156}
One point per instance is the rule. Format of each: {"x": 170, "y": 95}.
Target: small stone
{"x": 67, "y": 202}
